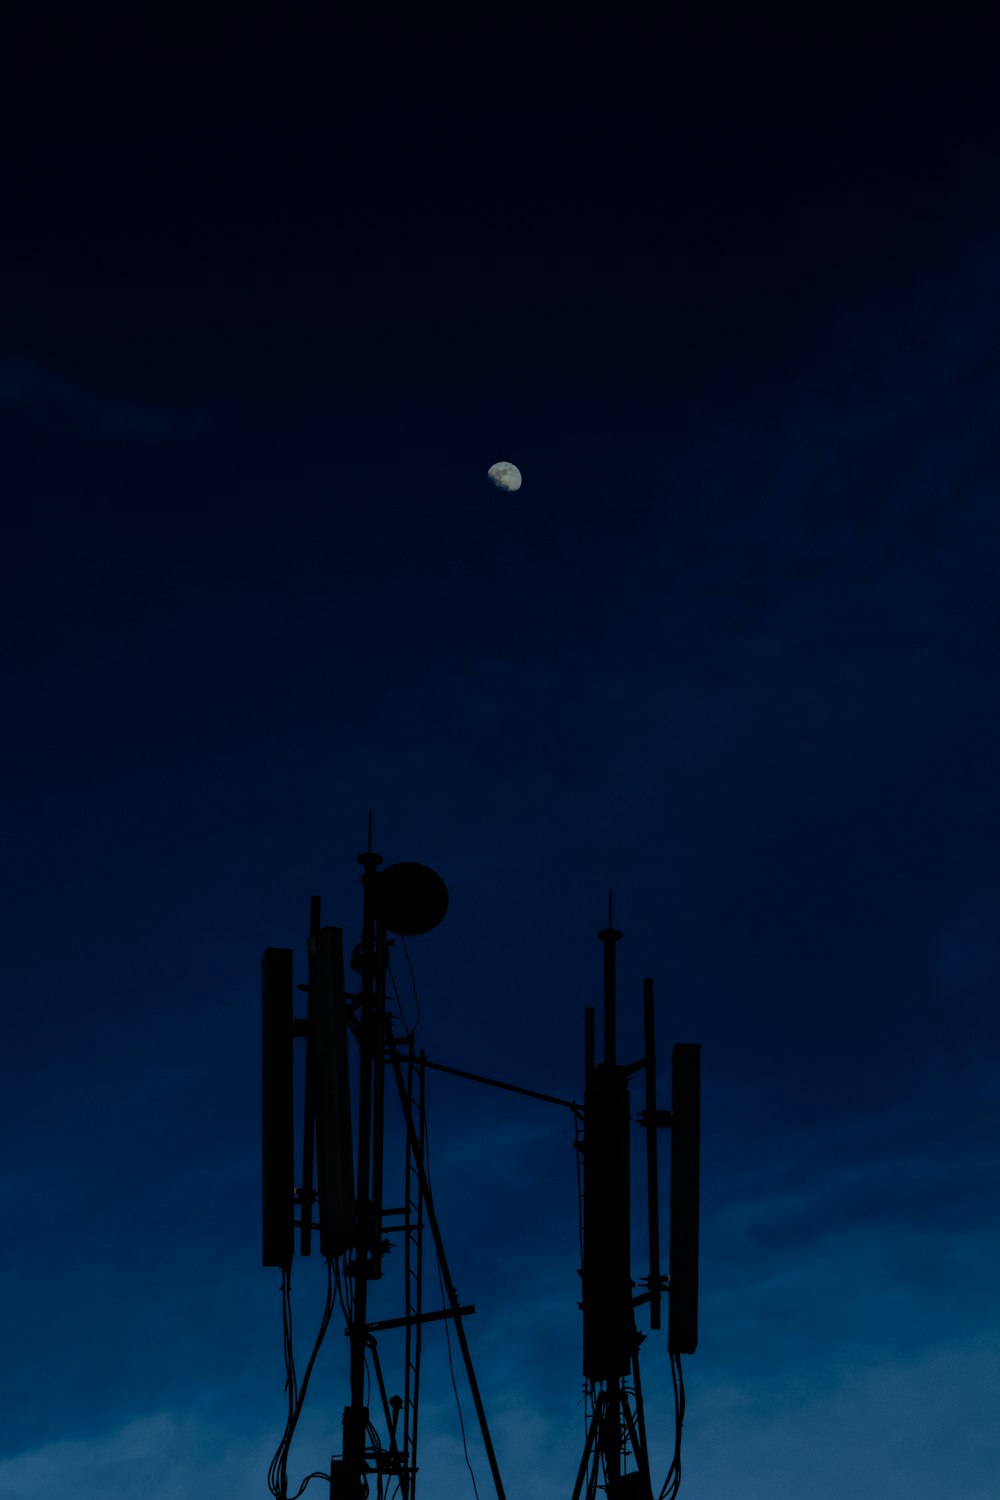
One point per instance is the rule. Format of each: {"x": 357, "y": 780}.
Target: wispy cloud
{"x": 824, "y": 1366}
{"x": 161, "y": 1456}
{"x": 887, "y": 1427}
{"x": 42, "y": 398}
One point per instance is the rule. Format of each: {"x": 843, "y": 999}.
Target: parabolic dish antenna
{"x": 410, "y": 898}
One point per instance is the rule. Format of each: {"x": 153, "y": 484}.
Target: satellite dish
{"x": 409, "y": 898}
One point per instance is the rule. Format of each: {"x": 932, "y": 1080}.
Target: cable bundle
{"x": 672, "y": 1483}
{"x": 277, "y": 1474}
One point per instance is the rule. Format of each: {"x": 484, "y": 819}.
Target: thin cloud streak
{"x": 42, "y": 398}
{"x": 886, "y": 1428}
{"x": 155, "y": 1456}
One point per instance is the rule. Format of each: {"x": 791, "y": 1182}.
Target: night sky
{"x": 278, "y": 289}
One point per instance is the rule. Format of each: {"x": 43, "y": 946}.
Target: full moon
{"x": 505, "y": 476}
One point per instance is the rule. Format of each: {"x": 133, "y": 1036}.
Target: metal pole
{"x": 588, "y": 1446}
{"x": 307, "y": 1195}
{"x": 609, "y": 936}
{"x": 642, "y": 1446}
{"x": 378, "y": 1094}
{"x": 449, "y": 1287}
{"x": 652, "y": 1169}
{"x": 610, "y": 1436}
{"x": 356, "y": 1415}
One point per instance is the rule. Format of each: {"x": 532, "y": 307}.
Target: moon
{"x": 505, "y": 476}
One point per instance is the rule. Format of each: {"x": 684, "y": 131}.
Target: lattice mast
{"x": 341, "y": 1193}
{"x": 616, "y": 1453}
{"x": 340, "y": 1196}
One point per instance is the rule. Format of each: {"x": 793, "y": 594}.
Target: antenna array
{"x": 340, "y": 1198}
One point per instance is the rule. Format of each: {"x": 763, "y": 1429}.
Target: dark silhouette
{"x": 346, "y": 1207}
{"x": 616, "y": 1431}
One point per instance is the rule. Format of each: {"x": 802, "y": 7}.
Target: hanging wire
{"x": 274, "y": 1478}
{"x": 408, "y": 1031}
{"x": 413, "y": 981}
{"x": 345, "y": 1308}
{"x": 377, "y": 1451}
{"x": 454, "y": 1386}
{"x": 672, "y": 1483}
{"x": 291, "y": 1381}
{"x": 277, "y": 1474}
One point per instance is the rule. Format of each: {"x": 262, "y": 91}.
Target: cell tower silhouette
{"x": 340, "y": 1199}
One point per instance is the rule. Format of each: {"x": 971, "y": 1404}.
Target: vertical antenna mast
{"x": 307, "y": 1196}
{"x": 652, "y": 1168}
{"x": 277, "y": 1117}
{"x": 356, "y": 1415}
{"x": 685, "y": 1151}
{"x": 408, "y": 899}
{"x": 616, "y": 1455}
{"x": 608, "y": 1321}
{"x": 609, "y": 936}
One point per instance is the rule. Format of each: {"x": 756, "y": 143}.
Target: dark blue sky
{"x": 277, "y": 292}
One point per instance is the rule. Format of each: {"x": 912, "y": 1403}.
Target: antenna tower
{"x": 339, "y": 1199}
